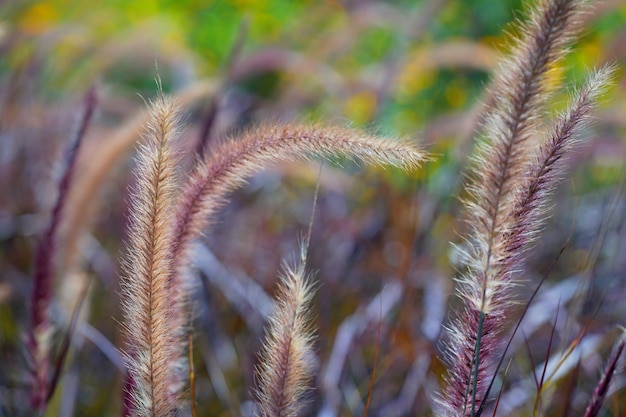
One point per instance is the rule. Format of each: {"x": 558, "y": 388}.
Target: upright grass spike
{"x": 287, "y": 358}
{"x": 512, "y": 184}
{"x": 152, "y": 358}
{"x": 507, "y": 153}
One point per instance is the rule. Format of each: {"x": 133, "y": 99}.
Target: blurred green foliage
{"x": 119, "y": 41}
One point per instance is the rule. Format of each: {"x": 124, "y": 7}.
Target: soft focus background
{"x": 381, "y": 241}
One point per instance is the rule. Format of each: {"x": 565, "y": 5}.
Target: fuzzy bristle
{"x": 228, "y": 167}
{"x": 513, "y": 178}
{"x": 287, "y": 358}
{"x": 152, "y": 352}
{"x": 235, "y": 161}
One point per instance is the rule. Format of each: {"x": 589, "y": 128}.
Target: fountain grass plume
{"x": 151, "y": 355}
{"x": 516, "y": 169}
{"x": 228, "y": 166}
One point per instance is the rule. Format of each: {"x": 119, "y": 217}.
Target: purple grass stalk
{"x": 43, "y": 275}
{"x": 602, "y": 389}
{"x": 512, "y": 184}
{"x": 65, "y": 345}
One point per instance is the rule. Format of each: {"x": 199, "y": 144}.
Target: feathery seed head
{"x": 231, "y": 164}
{"x": 512, "y": 183}
{"x": 287, "y": 358}
{"x": 152, "y": 350}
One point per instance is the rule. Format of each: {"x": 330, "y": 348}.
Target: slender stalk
{"x": 602, "y": 389}
{"x": 45, "y": 257}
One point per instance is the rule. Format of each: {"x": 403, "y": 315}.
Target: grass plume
{"x": 231, "y": 164}
{"x": 151, "y": 355}
{"x": 228, "y": 167}
{"x": 512, "y": 184}
{"x": 287, "y": 358}
{"x": 531, "y": 199}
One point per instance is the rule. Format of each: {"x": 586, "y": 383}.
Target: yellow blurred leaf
{"x": 38, "y": 18}
{"x": 361, "y": 107}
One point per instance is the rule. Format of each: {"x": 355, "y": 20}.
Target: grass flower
{"x": 516, "y": 170}
{"x": 287, "y": 360}
{"x": 151, "y": 355}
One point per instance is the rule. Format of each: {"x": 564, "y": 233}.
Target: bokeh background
{"x": 381, "y": 242}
